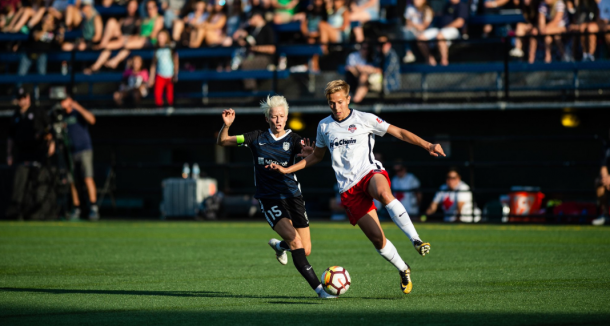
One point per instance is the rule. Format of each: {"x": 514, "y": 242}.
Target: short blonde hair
{"x": 336, "y": 86}
{"x": 273, "y": 102}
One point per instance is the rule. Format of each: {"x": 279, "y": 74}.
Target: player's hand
{"x": 436, "y": 150}
{"x": 276, "y": 168}
{"x": 306, "y": 148}
{"x": 228, "y": 116}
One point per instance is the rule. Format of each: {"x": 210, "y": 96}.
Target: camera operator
{"x": 29, "y": 145}
{"x": 77, "y": 121}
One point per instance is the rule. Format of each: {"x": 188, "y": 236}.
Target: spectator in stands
{"x": 491, "y": 7}
{"x": 337, "y": 211}
{"x": 92, "y": 28}
{"x": 264, "y": 6}
{"x": 418, "y": 17}
{"x": 164, "y": 70}
{"x": 284, "y": 10}
{"x": 602, "y": 183}
{"x": 529, "y": 8}
{"x": 583, "y": 19}
{"x": 212, "y": 29}
{"x": 552, "y": 22}
{"x": 73, "y": 14}
{"x": 387, "y": 59}
{"x": 338, "y": 27}
{"x": 8, "y": 11}
{"x": 363, "y": 11}
{"x": 316, "y": 17}
{"x": 452, "y": 22}
{"x": 28, "y": 145}
{"x": 120, "y": 30}
{"x": 172, "y": 10}
{"x": 44, "y": 38}
{"x": 603, "y": 20}
{"x": 149, "y": 30}
{"x": 260, "y": 39}
{"x": 27, "y": 16}
{"x": 455, "y": 199}
{"x": 135, "y": 80}
{"x": 190, "y": 24}
{"x": 359, "y": 67}
{"x": 405, "y": 187}
{"x": 78, "y": 120}
{"x": 235, "y": 22}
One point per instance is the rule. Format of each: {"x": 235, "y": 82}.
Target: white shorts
{"x": 449, "y": 33}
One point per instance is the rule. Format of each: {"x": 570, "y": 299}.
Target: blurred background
{"x": 111, "y": 108}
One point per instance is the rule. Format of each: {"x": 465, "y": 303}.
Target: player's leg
{"x": 290, "y": 235}
{"x": 369, "y": 224}
{"x": 379, "y": 188}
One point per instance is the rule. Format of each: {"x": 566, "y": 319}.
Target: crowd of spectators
{"x": 572, "y": 25}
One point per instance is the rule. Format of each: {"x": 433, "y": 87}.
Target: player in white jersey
{"x": 350, "y": 136}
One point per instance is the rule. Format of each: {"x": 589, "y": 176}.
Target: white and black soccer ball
{"x": 335, "y": 280}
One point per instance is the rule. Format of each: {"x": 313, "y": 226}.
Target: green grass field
{"x": 175, "y": 273}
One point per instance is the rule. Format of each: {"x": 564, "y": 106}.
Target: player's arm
{"x": 314, "y": 158}
{"x": 228, "y": 116}
{"x": 411, "y": 138}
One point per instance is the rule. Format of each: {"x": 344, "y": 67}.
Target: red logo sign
{"x": 352, "y": 128}
{"x": 379, "y": 120}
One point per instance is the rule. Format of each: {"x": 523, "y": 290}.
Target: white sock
{"x": 390, "y": 254}
{"x": 401, "y": 219}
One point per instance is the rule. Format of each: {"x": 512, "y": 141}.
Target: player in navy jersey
{"x": 279, "y": 194}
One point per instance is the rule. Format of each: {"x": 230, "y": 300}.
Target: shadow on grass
{"x": 194, "y": 294}
{"x": 304, "y": 315}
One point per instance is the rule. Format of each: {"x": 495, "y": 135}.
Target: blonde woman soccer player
{"x": 279, "y": 195}
{"x": 350, "y": 137}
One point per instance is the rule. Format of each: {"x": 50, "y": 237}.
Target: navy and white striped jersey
{"x": 267, "y": 149}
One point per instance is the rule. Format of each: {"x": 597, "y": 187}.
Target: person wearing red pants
{"x": 164, "y": 70}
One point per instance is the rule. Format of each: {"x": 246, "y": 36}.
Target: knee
{"x": 307, "y": 251}
{"x": 385, "y": 197}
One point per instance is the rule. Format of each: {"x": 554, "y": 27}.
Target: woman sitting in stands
{"x": 190, "y": 23}
{"x": 418, "y": 17}
{"x": 552, "y": 22}
{"x": 337, "y": 28}
{"x": 284, "y": 10}
{"x": 212, "y": 30}
{"x": 135, "y": 80}
{"x": 363, "y": 11}
{"x": 529, "y": 28}
{"x": 23, "y": 15}
{"x": 149, "y": 30}
{"x": 311, "y": 27}
{"x": 164, "y": 70}
{"x": 121, "y": 30}
{"x": 92, "y": 28}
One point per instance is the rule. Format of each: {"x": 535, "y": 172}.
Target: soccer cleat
{"x": 599, "y": 221}
{"x": 279, "y": 254}
{"x": 423, "y": 248}
{"x": 324, "y": 295}
{"x": 405, "y": 281}
{"x": 94, "y": 214}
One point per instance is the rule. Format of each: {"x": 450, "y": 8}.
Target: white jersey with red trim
{"x": 351, "y": 143}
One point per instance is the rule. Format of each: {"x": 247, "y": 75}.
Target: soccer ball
{"x": 336, "y": 280}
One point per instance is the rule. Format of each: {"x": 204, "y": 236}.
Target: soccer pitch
{"x": 176, "y": 273}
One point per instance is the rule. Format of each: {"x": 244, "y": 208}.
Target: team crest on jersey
{"x": 379, "y": 120}
{"x": 286, "y": 146}
{"x": 352, "y": 128}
